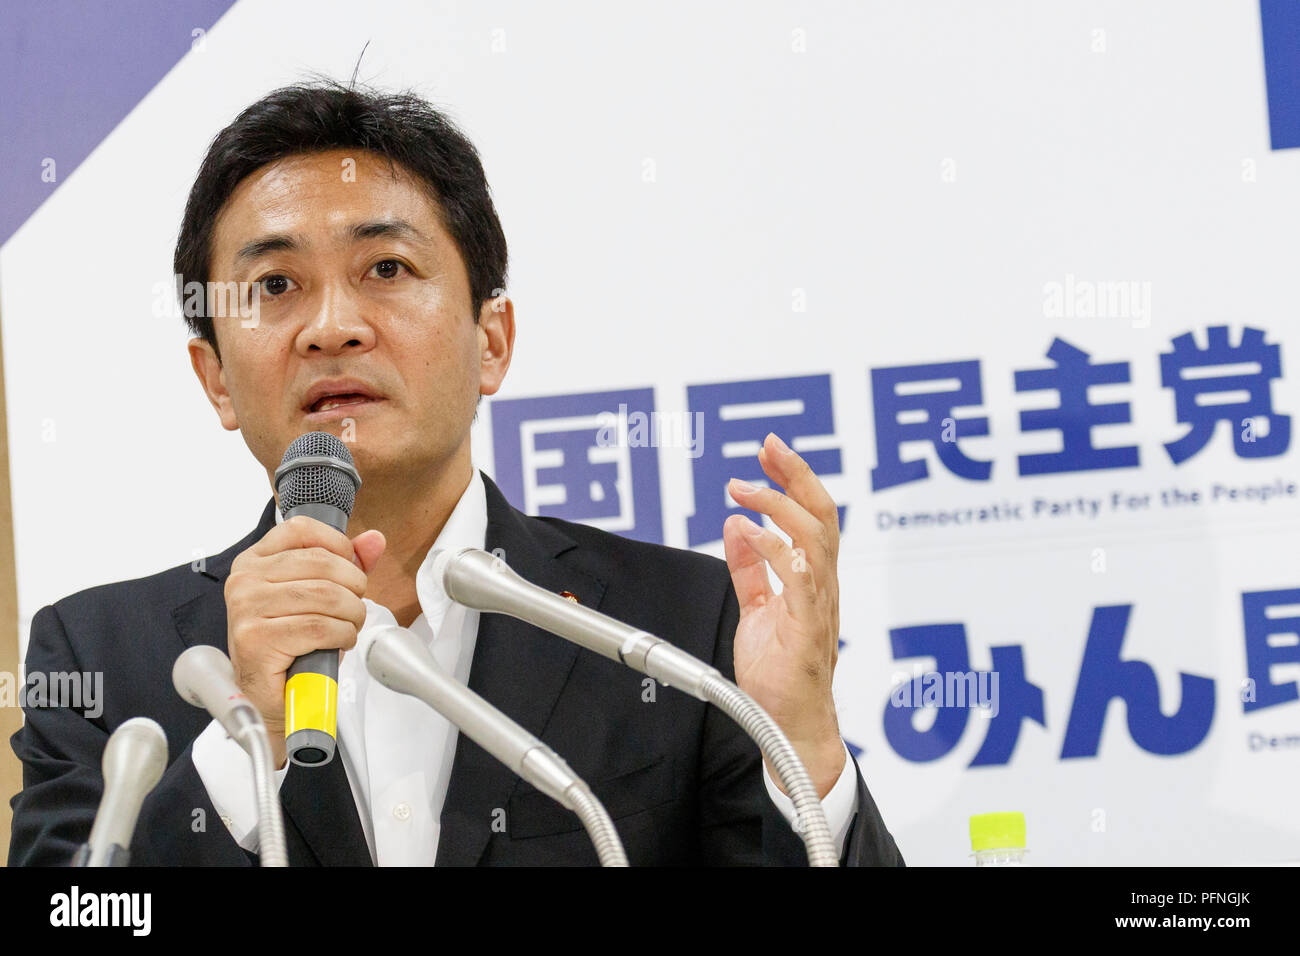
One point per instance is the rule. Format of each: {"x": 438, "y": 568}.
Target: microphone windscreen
{"x": 194, "y": 669}
{"x": 317, "y": 468}
{"x": 136, "y": 755}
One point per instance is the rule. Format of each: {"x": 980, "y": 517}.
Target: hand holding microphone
{"x": 296, "y": 591}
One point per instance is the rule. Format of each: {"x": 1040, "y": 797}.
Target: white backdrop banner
{"x": 1017, "y": 279}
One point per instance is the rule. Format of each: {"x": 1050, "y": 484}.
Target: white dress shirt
{"x": 399, "y": 787}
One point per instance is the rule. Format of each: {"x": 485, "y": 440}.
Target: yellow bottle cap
{"x": 997, "y": 831}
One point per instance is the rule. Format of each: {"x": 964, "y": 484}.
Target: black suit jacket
{"x": 681, "y": 781}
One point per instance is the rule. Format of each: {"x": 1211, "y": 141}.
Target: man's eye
{"x": 388, "y": 268}
{"x": 275, "y": 285}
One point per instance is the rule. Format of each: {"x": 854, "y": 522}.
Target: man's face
{"x": 361, "y": 288}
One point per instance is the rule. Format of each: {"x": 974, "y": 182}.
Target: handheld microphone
{"x": 134, "y": 760}
{"x": 204, "y": 677}
{"x": 484, "y": 582}
{"x": 316, "y": 478}
{"x": 397, "y": 659}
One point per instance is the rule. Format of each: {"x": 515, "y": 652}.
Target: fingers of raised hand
{"x": 797, "y": 576}
{"x": 788, "y": 469}
{"x": 806, "y": 531}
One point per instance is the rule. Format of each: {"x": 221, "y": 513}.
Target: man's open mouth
{"x": 334, "y": 401}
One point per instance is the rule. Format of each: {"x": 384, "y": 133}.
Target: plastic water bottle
{"x": 998, "y": 839}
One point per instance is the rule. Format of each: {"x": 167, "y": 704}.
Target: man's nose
{"x": 337, "y": 325}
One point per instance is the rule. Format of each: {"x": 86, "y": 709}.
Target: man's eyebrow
{"x": 386, "y": 229}
{"x": 371, "y": 229}
{"x": 276, "y": 242}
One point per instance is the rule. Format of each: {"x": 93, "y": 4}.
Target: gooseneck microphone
{"x": 316, "y": 478}
{"x": 204, "y": 677}
{"x": 134, "y": 760}
{"x": 398, "y": 659}
{"x": 484, "y": 582}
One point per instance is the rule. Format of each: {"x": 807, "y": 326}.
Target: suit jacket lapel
{"x": 517, "y": 668}
{"x": 318, "y": 802}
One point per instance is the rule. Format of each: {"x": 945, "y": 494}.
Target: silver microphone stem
{"x": 204, "y": 677}
{"x": 484, "y": 582}
{"x": 398, "y": 660}
{"x": 270, "y": 819}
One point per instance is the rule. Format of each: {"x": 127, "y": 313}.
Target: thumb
{"x": 369, "y": 547}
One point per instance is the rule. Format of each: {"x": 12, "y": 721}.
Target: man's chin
{"x": 382, "y": 462}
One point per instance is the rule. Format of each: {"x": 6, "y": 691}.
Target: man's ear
{"x": 496, "y": 337}
{"x": 213, "y": 379}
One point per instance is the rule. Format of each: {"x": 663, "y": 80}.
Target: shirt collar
{"x": 466, "y": 527}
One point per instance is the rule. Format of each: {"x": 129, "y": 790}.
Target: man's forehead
{"x": 314, "y": 196}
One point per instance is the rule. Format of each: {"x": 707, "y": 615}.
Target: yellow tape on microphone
{"x": 310, "y": 717}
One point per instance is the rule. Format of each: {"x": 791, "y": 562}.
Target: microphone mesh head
{"x": 317, "y": 481}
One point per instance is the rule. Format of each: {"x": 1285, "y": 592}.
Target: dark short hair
{"x": 324, "y": 114}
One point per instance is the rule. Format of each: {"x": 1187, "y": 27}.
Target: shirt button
{"x": 402, "y": 811}
{"x": 226, "y": 820}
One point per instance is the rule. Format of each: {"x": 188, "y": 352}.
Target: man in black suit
{"x": 357, "y": 228}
